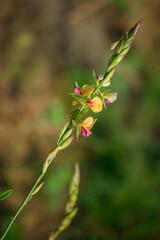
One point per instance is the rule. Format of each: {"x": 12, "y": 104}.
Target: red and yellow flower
{"x": 86, "y": 90}
{"x": 95, "y": 104}
{"x": 86, "y": 125}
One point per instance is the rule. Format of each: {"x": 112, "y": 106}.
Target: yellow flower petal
{"x": 75, "y": 102}
{"x": 96, "y": 104}
{"x": 88, "y": 122}
{"x": 86, "y": 90}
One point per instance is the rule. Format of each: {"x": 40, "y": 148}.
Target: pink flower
{"x": 88, "y": 101}
{"x": 86, "y": 90}
{"x": 86, "y": 126}
{"x": 77, "y": 91}
{"x": 107, "y": 101}
{"x": 84, "y": 132}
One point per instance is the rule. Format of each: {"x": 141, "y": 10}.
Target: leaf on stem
{"x": 5, "y": 194}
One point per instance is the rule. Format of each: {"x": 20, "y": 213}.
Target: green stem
{"x": 36, "y": 183}
{"x": 56, "y": 234}
{"x": 121, "y": 51}
{"x": 21, "y": 207}
{"x": 23, "y": 203}
{"x": 79, "y": 112}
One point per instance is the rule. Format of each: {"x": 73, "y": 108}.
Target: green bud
{"x": 122, "y": 54}
{"x": 78, "y": 130}
{"x": 114, "y": 45}
{"x": 68, "y": 219}
{"x": 123, "y": 46}
{"x": 109, "y": 74}
{"x": 73, "y": 190}
{"x": 120, "y": 46}
{"x": 63, "y": 129}
{"x": 112, "y": 63}
{"x": 133, "y": 31}
{"x": 37, "y": 189}
{"x": 94, "y": 75}
{"x": 66, "y": 143}
{"x": 128, "y": 42}
{"x": 67, "y": 134}
{"x": 76, "y": 85}
{"x": 49, "y": 158}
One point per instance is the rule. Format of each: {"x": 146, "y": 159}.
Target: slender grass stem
{"x": 121, "y": 50}
{"x": 21, "y": 206}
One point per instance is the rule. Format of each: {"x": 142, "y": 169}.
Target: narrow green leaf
{"x": 76, "y": 85}
{"x": 76, "y": 96}
{"x": 5, "y": 194}
{"x": 94, "y": 75}
{"x": 72, "y": 94}
{"x": 78, "y": 130}
{"x": 86, "y": 109}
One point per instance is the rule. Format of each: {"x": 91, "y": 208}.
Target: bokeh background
{"x": 44, "y": 47}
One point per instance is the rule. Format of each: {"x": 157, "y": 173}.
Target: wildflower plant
{"x": 90, "y": 97}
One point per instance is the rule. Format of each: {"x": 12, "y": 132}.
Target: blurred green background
{"x": 44, "y": 47}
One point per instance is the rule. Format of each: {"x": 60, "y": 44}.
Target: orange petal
{"x": 96, "y": 104}
{"x": 86, "y": 90}
{"x": 75, "y": 102}
{"x": 88, "y": 122}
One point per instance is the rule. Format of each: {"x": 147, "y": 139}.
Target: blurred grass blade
{"x": 70, "y": 210}
{"x": 5, "y": 194}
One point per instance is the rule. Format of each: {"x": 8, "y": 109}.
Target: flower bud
{"x": 114, "y": 45}
{"x": 110, "y": 96}
{"x": 67, "y": 134}
{"x": 49, "y": 158}
{"x": 73, "y": 190}
{"x": 37, "y": 189}
{"x": 66, "y": 143}
{"x": 63, "y": 129}
{"x": 68, "y": 219}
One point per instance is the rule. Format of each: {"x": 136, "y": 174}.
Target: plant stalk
{"x": 21, "y": 206}
{"x": 121, "y": 50}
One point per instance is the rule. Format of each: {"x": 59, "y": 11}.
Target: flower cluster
{"x": 85, "y": 97}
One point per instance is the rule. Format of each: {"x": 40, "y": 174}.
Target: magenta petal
{"x": 88, "y": 101}
{"x": 88, "y": 134}
{"x": 77, "y": 90}
{"x": 107, "y": 101}
{"x": 83, "y": 131}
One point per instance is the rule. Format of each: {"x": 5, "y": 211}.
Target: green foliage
{"x": 121, "y": 4}
{"x": 55, "y": 112}
{"x": 15, "y": 232}
{"x": 6, "y": 194}
{"x": 78, "y": 74}
{"x": 55, "y": 183}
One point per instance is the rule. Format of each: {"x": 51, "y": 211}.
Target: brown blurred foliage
{"x": 38, "y": 39}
